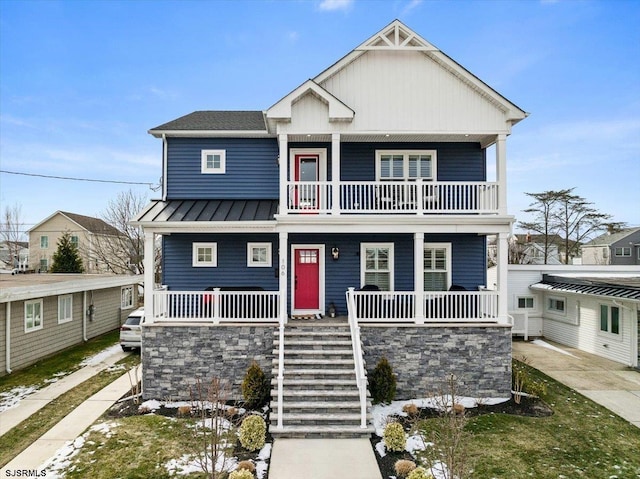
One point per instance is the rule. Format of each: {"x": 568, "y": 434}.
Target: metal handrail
{"x": 361, "y": 376}
{"x": 280, "y": 372}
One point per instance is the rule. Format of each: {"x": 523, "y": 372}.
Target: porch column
{"x": 501, "y": 172}
{"x": 503, "y": 267}
{"x": 283, "y": 160}
{"x": 149, "y": 274}
{"x": 283, "y": 253}
{"x": 418, "y": 275}
{"x": 335, "y": 174}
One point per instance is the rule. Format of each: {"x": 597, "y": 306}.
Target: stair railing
{"x": 280, "y": 373}
{"x": 361, "y": 375}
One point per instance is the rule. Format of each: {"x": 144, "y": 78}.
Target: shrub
{"x": 523, "y": 381}
{"x": 248, "y": 465}
{"x": 394, "y": 437}
{"x": 253, "y": 431}
{"x": 382, "y": 382}
{"x": 410, "y": 409}
{"x": 241, "y": 474}
{"x": 420, "y": 473}
{"x": 403, "y": 467}
{"x": 255, "y": 387}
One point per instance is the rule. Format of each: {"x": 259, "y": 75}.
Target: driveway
{"x": 611, "y": 384}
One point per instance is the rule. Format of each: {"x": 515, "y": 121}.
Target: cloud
{"x": 412, "y": 5}
{"x": 293, "y": 36}
{"x": 334, "y": 5}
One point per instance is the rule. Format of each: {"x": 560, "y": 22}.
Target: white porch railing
{"x": 216, "y": 306}
{"x": 417, "y": 197}
{"x": 361, "y": 375}
{"x": 446, "y": 306}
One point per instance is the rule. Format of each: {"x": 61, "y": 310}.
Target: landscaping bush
{"x": 410, "y": 409}
{"x": 420, "y": 473}
{"x": 403, "y": 467}
{"x": 248, "y": 465}
{"x": 382, "y": 382}
{"x": 394, "y": 437}
{"x": 253, "y": 431}
{"x": 255, "y": 387}
{"x": 523, "y": 381}
{"x": 241, "y": 474}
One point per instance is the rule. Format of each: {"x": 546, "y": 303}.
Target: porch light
{"x": 335, "y": 253}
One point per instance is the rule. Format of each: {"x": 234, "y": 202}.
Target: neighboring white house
{"x": 592, "y": 308}
{"x": 14, "y": 255}
{"x": 619, "y": 248}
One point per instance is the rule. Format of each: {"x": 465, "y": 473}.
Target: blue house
{"x": 351, "y": 215}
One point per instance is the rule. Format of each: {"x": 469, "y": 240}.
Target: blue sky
{"x": 81, "y": 82}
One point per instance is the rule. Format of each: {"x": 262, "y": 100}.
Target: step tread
{"x": 314, "y": 361}
{"x": 317, "y": 392}
{"x": 305, "y": 371}
{"x": 309, "y": 416}
{"x": 318, "y": 404}
{"x": 328, "y": 352}
{"x": 322, "y": 428}
{"x": 315, "y": 382}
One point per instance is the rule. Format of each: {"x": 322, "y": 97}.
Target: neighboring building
{"x": 592, "y": 308}
{"x": 41, "y": 314}
{"x": 527, "y": 249}
{"x": 14, "y": 255}
{"x": 619, "y": 248}
{"x": 371, "y": 175}
{"x": 91, "y": 235}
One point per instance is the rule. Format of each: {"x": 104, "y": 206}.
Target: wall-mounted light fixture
{"x": 335, "y": 252}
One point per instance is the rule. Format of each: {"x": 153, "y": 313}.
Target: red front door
{"x": 307, "y": 279}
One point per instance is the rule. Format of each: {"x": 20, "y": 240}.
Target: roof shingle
{"x": 217, "y": 120}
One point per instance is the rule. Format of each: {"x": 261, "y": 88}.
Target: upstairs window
{"x": 437, "y": 266}
{"x": 213, "y": 162}
{"x": 609, "y": 319}
{"x": 626, "y": 251}
{"x": 405, "y": 165}
{"x": 74, "y": 241}
{"x": 44, "y": 242}
{"x": 205, "y": 255}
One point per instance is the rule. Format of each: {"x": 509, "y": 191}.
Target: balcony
{"x": 392, "y": 197}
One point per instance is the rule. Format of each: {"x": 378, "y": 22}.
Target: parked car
{"x": 130, "y": 331}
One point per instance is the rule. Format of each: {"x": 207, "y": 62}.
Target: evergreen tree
{"x": 66, "y": 259}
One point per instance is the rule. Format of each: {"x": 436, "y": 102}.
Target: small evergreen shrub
{"x": 382, "y": 382}
{"x": 253, "y": 432}
{"x": 248, "y": 465}
{"x": 255, "y": 387}
{"x": 420, "y": 473}
{"x": 403, "y": 467}
{"x": 394, "y": 437}
{"x": 241, "y": 474}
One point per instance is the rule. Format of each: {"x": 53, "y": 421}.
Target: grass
{"x": 580, "y": 440}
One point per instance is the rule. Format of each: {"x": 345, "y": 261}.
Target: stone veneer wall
{"x": 174, "y": 356}
{"x": 422, "y": 357}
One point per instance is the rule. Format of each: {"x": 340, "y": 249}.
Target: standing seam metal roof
{"x": 627, "y": 288}
{"x": 209, "y": 210}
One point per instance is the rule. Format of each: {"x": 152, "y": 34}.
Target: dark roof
{"x": 217, "y": 120}
{"x": 617, "y": 287}
{"x": 93, "y": 225}
{"x": 209, "y": 210}
{"x": 610, "y": 238}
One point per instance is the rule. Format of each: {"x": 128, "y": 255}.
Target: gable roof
{"x": 88, "y": 223}
{"x": 338, "y": 111}
{"x": 610, "y": 238}
{"x": 208, "y": 120}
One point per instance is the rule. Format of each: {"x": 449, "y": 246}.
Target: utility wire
{"x": 150, "y": 185}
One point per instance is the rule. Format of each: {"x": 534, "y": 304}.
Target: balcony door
{"x": 307, "y": 169}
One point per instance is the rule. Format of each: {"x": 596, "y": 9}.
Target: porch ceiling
{"x": 485, "y": 139}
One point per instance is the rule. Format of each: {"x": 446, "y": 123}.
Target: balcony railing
{"x": 388, "y": 197}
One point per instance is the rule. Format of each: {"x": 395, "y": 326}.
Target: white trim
{"x": 322, "y": 161}
{"x": 257, "y": 264}
{"x": 220, "y": 170}
{"x": 321, "y": 279}
{"x": 609, "y": 333}
{"x": 124, "y": 306}
{"x": 391, "y": 261}
{"x": 447, "y": 248}
{"x": 525, "y": 297}
{"x": 212, "y": 263}
{"x": 405, "y": 167}
{"x": 36, "y": 321}
{"x": 623, "y": 250}
{"x": 549, "y": 309}
{"x": 62, "y": 299}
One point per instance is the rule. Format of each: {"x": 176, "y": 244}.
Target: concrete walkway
{"x": 323, "y": 459}
{"x": 610, "y": 384}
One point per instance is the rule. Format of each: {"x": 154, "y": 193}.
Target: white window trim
{"x": 61, "y": 300}
{"x": 525, "y": 297}
{"x": 608, "y": 333}
{"x": 122, "y": 304}
{"x": 35, "y": 326}
{"x": 205, "y": 264}
{"x": 213, "y": 171}
{"x": 624, "y": 250}
{"x": 556, "y": 311}
{"x": 447, "y": 247}
{"x": 405, "y": 168}
{"x": 46, "y": 239}
{"x": 363, "y": 261}
{"x": 256, "y": 264}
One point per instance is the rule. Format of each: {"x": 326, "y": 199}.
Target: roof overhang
{"x": 211, "y": 133}
{"x": 626, "y": 288}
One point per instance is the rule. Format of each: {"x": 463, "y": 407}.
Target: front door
{"x": 306, "y": 283}
{"x": 306, "y": 170}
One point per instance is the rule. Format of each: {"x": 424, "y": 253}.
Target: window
{"x": 626, "y": 251}
{"x": 74, "y": 241}
{"x": 32, "y": 315}
{"x": 44, "y": 242}
{"x": 213, "y": 162}
{"x": 44, "y": 265}
{"x": 556, "y": 305}
{"x": 525, "y": 302}
{"x": 609, "y": 319}
{"x": 377, "y": 265}
{"x": 405, "y": 165}
{"x": 638, "y": 253}
{"x": 65, "y": 308}
{"x": 437, "y": 266}
{"x": 259, "y": 255}
{"x": 205, "y": 254}
{"x": 126, "y": 297}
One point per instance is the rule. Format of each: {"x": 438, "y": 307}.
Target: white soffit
{"x": 338, "y": 111}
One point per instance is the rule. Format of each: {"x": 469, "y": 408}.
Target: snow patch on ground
{"x": 10, "y": 399}
{"x": 101, "y": 356}
{"x": 544, "y": 344}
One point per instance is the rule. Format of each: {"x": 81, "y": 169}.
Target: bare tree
{"x": 12, "y": 231}
{"x": 543, "y": 209}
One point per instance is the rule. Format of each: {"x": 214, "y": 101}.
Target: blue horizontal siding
{"x": 251, "y": 169}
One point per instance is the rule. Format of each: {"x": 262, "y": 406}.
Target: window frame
{"x": 447, "y": 248}
{"x": 75, "y": 240}
{"x": 62, "y": 318}
{"x": 609, "y": 318}
{"x": 562, "y": 311}
{"x": 623, "y": 250}
{"x": 533, "y": 302}
{"x": 405, "y": 164}
{"x": 251, "y": 263}
{"x": 36, "y": 326}
{"x": 220, "y": 170}
{"x": 128, "y": 304}
{"x": 390, "y": 262}
{"x": 196, "y": 263}
{"x": 44, "y": 242}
